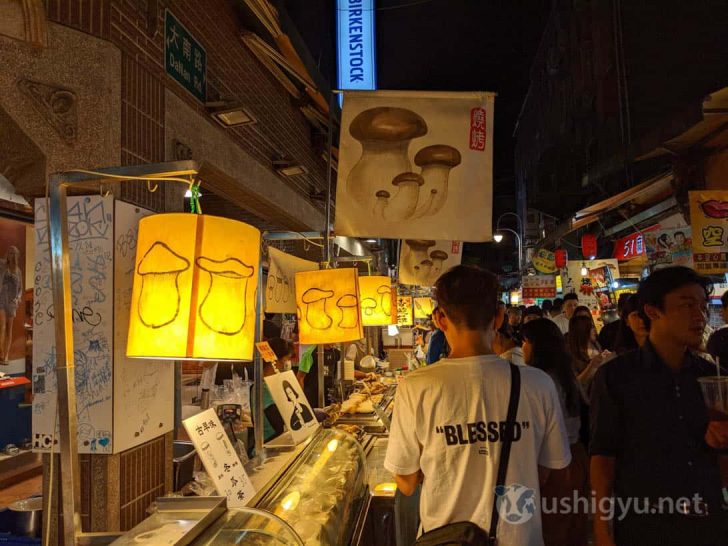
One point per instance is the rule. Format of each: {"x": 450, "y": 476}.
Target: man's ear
{"x": 652, "y": 311}
{"x": 500, "y": 316}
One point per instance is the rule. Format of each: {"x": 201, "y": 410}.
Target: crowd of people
{"x": 611, "y": 431}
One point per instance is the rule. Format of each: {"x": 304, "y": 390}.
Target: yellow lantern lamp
{"x": 424, "y": 307}
{"x": 194, "y": 288}
{"x": 327, "y": 304}
{"x": 404, "y": 311}
{"x": 378, "y": 303}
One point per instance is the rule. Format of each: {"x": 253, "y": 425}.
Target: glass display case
{"x": 322, "y": 494}
{"x": 251, "y": 527}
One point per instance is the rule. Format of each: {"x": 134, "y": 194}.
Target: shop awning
{"x": 709, "y": 134}
{"x": 644, "y": 194}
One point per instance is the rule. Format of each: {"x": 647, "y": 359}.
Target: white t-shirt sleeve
{"x": 555, "y": 450}
{"x": 403, "y": 448}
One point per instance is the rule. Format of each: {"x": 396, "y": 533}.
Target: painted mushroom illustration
{"x": 403, "y": 204}
{"x": 368, "y": 306}
{"x": 423, "y": 272}
{"x": 315, "y": 301}
{"x": 385, "y": 299}
{"x": 438, "y": 258}
{"x": 381, "y": 203}
{"x": 419, "y": 249}
{"x": 159, "y": 297}
{"x": 436, "y": 161}
{"x": 349, "y": 307}
{"x": 224, "y": 307}
{"x": 385, "y": 134}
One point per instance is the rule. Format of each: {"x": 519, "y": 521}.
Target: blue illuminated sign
{"x": 355, "y": 38}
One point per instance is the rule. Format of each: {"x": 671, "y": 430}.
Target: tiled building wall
{"x": 136, "y": 27}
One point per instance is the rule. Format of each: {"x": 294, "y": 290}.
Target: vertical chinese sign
{"x": 185, "y": 59}
{"x": 709, "y": 220}
{"x": 219, "y": 458}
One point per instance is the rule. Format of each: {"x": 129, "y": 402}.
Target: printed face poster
{"x": 668, "y": 247}
{"x": 414, "y": 164}
{"x": 292, "y": 404}
{"x": 421, "y": 262}
{"x": 709, "y": 220}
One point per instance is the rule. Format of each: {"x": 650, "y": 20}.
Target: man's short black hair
{"x": 623, "y": 297}
{"x": 468, "y": 296}
{"x": 534, "y": 310}
{"x": 653, "y": 289}
{"x": 558, "y": 304}
{"x": 547, "y": 305}
{"x": 571, "y": 296}
{"x": 724, "y": 299}
{"x": 678, "y": 233}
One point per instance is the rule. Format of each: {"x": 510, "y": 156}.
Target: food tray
{"x": 177, "y": 521}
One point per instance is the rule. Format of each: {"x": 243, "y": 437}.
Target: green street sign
{"x": 184, "y": 58}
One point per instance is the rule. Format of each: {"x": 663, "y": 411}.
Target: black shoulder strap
{"x": 506, "y": 449}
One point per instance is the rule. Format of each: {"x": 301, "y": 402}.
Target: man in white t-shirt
{"x": 571, "y": 302}
{"x": 449, "y": 420}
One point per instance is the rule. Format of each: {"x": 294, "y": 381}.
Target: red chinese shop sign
{"x": 632, "y": 246}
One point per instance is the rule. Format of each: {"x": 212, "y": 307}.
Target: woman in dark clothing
{"x": 544, "y": 348}
{"x": 634, "y": 327}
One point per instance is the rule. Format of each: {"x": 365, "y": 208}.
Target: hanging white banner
{"x": 280, "y": 293}
{"x": 414, "y": 164}
{"x": 421, "y": 262}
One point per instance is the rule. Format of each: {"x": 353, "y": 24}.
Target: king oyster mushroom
{"x": 436, "y": 161}
{"x": 385, "y": 299}
{"x": 159, "y": 296}
{"x": 403, "y": 204}
{"x": 368, "y": 306}
{"x": 385, "y": 134}
{"x": 419, "y": 249}
{"x": 315, "y": 312}
{"x": 423, "y": 274}
{"x": 223, "y": 308}
{"x": 438, "y": 258}
{"x": 349, "y": 307}
{"x": 381, "y": 203}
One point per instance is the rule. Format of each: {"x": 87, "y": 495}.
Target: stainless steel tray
{"x": 177, "y": 521}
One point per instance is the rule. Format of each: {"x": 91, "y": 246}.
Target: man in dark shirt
{"x": 718, "y": 342}
{"x": 653, "y": 447}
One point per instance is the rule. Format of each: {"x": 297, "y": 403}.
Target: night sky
{"x": 452, "y": 45}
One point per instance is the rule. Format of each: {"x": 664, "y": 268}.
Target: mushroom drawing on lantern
{"x": 377, "y": 300}
{"x": 327, "y": 304}
{"x": 223, "y": 307}
{"x": 159, "y": 269}
{"x": 193, "y": 295}
{"x": 424, "y": 307}
{"x": 385, "y": 134}
{"x": 314, "y": 311}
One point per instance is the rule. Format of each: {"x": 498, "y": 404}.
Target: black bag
{"x": 467, "y": 533}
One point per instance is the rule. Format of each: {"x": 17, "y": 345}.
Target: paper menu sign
{"x": 292, "y": 405}
{"x": 218, "y": 457}
{"x": 266, "y": 353}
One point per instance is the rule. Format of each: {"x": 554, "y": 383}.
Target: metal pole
{"x": 320, "y": 376}
{"x": 258, "y": 423}
{"x": 62, "y": 304}
{"x": 329, "y": 170}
